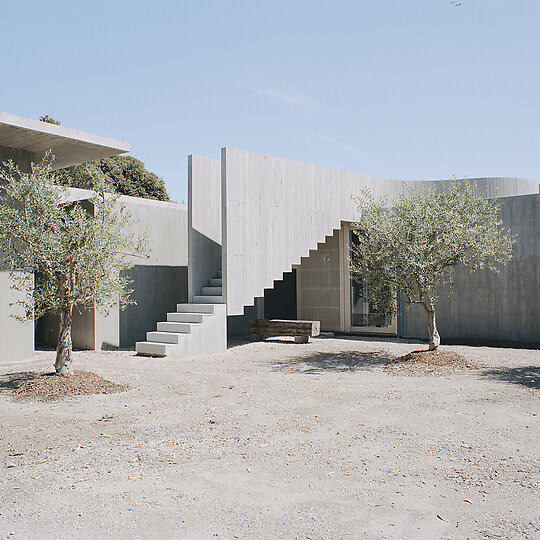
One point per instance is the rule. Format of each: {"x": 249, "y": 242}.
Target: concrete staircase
{"x": 196, "y": 328}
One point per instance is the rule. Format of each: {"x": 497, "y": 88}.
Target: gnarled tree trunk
{"x": 63, "y": 364}
{"x": 434, "y": 338}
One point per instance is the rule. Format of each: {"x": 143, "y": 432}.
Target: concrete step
{"x": 178, "y": 327}
{"x": 187, "y": 317}
{"x": 149, "y": 348}
{"x": 207, "y": 300}
{"x": 207, "y": 309}
{"x": 210, "y": 291}
{"x": 215, "y": 282}
{"x": 166, "y": 337}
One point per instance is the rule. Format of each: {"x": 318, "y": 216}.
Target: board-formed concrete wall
{"x": 274, "y": 211}
{"x": 204, "y": 222}
{"x": 318, "y": 285}
{"x": 489, "y": 306}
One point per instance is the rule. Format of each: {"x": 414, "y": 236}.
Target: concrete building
{"x": 264, "y": 237}
{"x": 277, "y": 232}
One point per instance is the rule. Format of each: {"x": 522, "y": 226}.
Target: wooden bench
{"x": 301, "y": 330}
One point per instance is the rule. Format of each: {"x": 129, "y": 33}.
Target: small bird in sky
{"x": 454, "y": 3}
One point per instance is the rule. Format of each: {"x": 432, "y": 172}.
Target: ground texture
{"x": 277, "y": 440}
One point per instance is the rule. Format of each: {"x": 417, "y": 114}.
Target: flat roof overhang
{"x": 70, "y": 146}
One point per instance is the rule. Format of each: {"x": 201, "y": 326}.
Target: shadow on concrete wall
{"x": 157, "y": 290}
{"x": 205, "y": 260}
{"x": 528, "y": 376}
{"x": 338, "y": 361}
{"x": 280, "y": 301}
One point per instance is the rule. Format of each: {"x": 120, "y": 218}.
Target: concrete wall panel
{"x": 16, "y": 338}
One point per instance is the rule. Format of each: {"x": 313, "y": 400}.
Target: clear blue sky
{"x": 418, "y": 89}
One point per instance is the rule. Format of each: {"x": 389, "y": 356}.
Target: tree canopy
{"x": 124, "y": 175}
{"x": 77, "y": 249}
{"x": 407, "y": 251}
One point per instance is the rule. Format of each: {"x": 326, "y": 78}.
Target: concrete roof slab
{"x": 70, "y": 146}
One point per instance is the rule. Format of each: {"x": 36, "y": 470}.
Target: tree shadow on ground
{"x": 338, "y": 361}
{"x": 528, "y": 376}
{"x": 11, "y": 381}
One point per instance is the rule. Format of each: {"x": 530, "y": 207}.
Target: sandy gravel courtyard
{"x": 276, "y": 440}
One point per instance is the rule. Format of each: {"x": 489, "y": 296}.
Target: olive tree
{"x": 76, "y": 250}
{"x": 407, "y": 251}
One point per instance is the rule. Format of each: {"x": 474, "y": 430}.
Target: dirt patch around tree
{"x": 430, "y": 363}
{"x": 51, "y": 386}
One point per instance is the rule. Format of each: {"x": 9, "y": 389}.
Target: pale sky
{"x": 403, "y": 89}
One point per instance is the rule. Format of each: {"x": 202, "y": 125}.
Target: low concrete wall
{"x": 488, "y": 306}
{"x": 16, "y": 338}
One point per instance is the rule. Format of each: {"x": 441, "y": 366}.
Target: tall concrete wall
{"x": 204, "y": 222}
{"x": 319, "y": 282}
{"x": 276, "y": 210}
{"x": 489, "y": 306}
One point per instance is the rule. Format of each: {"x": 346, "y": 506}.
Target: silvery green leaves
{"x": 75, "y": 248}
{"x": 410, "y": 247}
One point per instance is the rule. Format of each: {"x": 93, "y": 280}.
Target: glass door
{"x": 363, "y": 319}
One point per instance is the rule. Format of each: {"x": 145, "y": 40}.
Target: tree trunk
{"x": 434, "y": 338}
{"x": 63, "y": 364}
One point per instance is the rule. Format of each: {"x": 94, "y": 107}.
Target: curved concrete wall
{"x": 274, "y": 211}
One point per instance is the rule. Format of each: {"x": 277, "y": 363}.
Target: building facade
{"x": 264, "y": 237}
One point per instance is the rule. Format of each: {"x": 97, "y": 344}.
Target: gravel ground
{"x": 276, "y": 440}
